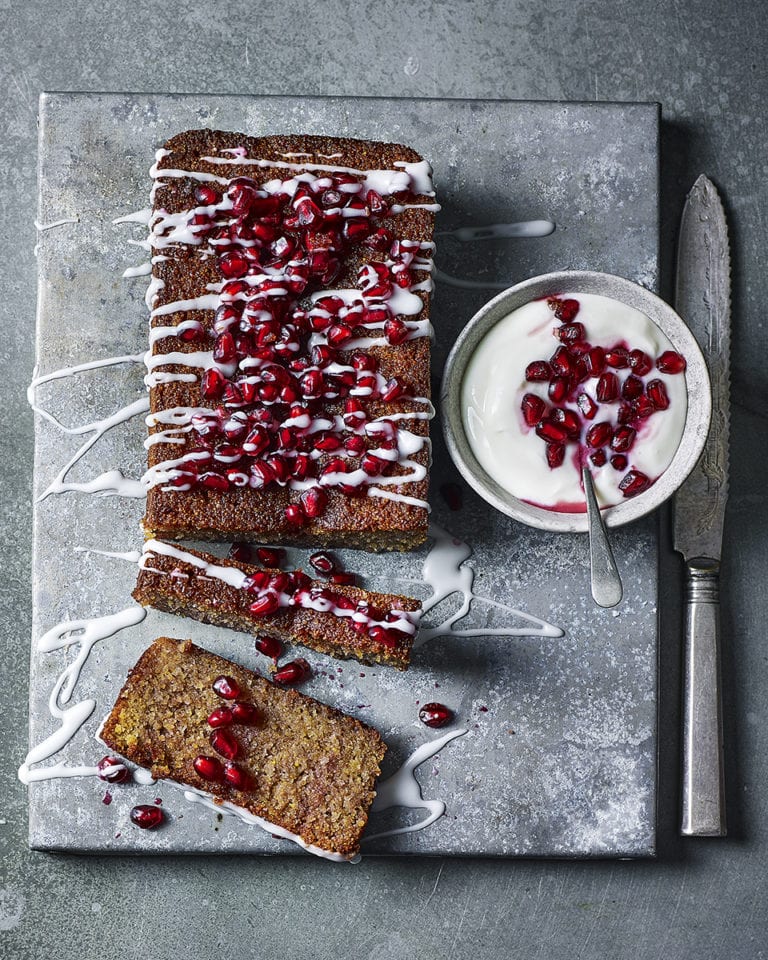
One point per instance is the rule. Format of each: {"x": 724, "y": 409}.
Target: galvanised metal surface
{"x": 559, "y": 758}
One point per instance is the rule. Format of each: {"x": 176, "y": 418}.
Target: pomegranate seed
{"x": 533, "y": 408}
{"x": 617, "y": 357}
{"x": 214, "y": 481}
{"x": 396, "y": 331}
{"x": 224, "y": 744}
{"x": 224, "y": 349}
{"x": 323, "y": 562}
{"x": 387, "y": 638}
{"x": 269, "y": 556}
{"x": 565, "y": 310}
{"x": 261, "y": 475}
{"x": 607, "y": 388}
{"x": 633, "y": 483}
{"x": 555, "y": 455}
{"x": 344, "y": 579}
{"x": 569, "y": 420}
{"x": 640, "y": 362}
{"x": 113, "y": 770}
{"x": 242, "y": 552}
{"x": 226, "y": 687}
{"x": 580, "y": 348}
{"x": 644, "y": 407}
{"x": 539, "y": 370}
{"x": 206, "y": 195}
{"x": 587, "y": 406}
{"x": 314, "y": 501}
{"x": 235, "y": 777}
{"x": 657, "y": 394}
{"x": 339, "y": 334}
{"x": 243, "y": 712}
{"x": 295, "y": 515}
{"x": 558, "y": 389}
{"x": 376, "y": 203}
{"x": 233, "y": 265}
{"x": 619, "y": 461}
{"x": 671, "y": 362}
{"x": 551, "y": 432}
{"x": 220, "y": 717}
{"x": 264, "y": 607}
{"x": 561, "y": 362}
{"x": 190, "y": 334}
{"x": 570, "y": 332}
{"x": 294, "y": 672}
{"x": 392, "y": 390}
{"x": 373, "y": 465}
{"x": 599, "y": 434}
{"x": 354, "y": 445}
{"x": 598, "y": 458}
{"x": 209, "y": 768}
{"x": 595, "y": 361}
{"x": 632, "y": 388}
{"x": 270, "y": 646}
{"x": 356, "y": 228}
{"x": 146, "y": 816}
{"x": 623, "y": 439}
{"x": 212, "y": 384}
{"x": 436, "y": 714}
{"x": 627, "y": 412}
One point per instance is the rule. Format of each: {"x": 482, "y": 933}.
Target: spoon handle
{"x": 607, "y": 590}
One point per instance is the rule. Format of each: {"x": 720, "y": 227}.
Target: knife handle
{"x": 703, "y": 813}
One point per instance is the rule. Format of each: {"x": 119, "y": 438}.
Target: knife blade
{"x": 702, "y": 298}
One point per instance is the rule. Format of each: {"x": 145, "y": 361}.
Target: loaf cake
{"x": 296, "y": 767}
{"x": 343, "y": 621}
{"x": 289, "y": 368}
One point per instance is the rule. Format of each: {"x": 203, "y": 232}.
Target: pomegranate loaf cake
{"x": 340, "y": 620}
{"x": 296, "y": 767}
{"x": 289, "y": 361}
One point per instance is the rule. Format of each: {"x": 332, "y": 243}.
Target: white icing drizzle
{"x": 446, "y": 572}
{"x": 55, "y": 223}
{"x": 109, "y": 483}
{"x": 140, "y": 270}
{"x": 86, "y": 633}
{"x": 130, "y": 556}
{"x": 402, "y": 788}
{"x": 78, "y": 368}
{"x": 140, "y": 216}
{"x": 198, "y": 796}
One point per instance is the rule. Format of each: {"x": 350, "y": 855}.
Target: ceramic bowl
{"x": 552, "y": 284}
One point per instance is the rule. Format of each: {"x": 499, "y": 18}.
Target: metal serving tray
{"x": 559, "y": 757}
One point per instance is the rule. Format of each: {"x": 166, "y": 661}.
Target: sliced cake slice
{"x": 283, "y": 761}
{"x": 343, "y": 621}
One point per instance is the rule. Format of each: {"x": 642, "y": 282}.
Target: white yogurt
{"x": 494, "y": 385}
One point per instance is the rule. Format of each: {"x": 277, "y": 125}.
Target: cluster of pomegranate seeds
{"x": 147, "y": 816}
{"x": 113, "y": 770}
{"x": 223, "y": 741}
{"x": 566, "y": 372}
{"x": 435, "y": 715}
{"x": 279, "y": 364}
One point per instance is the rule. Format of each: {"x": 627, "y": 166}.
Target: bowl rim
{"x": 619, "y": 288}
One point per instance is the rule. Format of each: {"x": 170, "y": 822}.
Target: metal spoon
{"x": 606, "y": 582}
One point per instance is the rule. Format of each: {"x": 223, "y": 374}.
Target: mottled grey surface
{"x": 559, "y": 758}
{"x": 704, "y": 61}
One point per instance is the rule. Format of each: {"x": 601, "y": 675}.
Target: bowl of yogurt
{"x": 568, "y": 370}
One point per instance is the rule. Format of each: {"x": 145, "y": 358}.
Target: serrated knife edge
{"x": 703, "y": 300}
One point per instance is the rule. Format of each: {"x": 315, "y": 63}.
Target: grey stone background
{"x": 705, "y": 62}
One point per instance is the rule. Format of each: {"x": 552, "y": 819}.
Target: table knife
{"x": 702, "y": 299}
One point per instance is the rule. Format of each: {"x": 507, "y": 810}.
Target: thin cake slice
{"x": 290, "y": 764}
{"x": 289, "y": 366}
{"x": 343, "y": 621}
